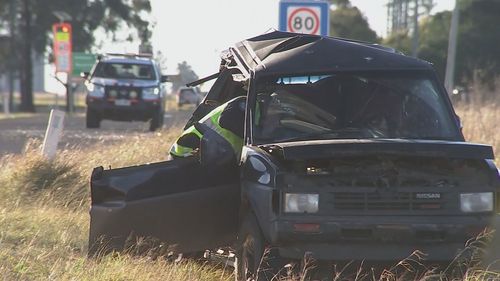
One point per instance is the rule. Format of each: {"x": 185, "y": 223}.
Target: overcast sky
{"x": 197, "y": 31}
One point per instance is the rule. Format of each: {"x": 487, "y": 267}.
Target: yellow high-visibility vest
{"x": 212, "y": 121}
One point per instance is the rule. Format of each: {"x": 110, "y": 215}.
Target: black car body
{"x": 325, "y": 170}
{"x": 125, "y": 88}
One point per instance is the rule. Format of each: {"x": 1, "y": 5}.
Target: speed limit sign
{"x": 309, "y": 17}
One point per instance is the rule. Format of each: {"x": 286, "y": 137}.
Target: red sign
{"x": 62, "y": 47}
{"x": 304, "y": 20}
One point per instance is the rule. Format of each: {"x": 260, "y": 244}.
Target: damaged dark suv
{"x": 352, "y": 151}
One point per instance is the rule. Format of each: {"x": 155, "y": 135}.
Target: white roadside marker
{"x": 53, "y": 133}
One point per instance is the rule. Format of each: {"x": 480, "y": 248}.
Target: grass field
{"x": 44, "y": 211}
{"x": 481, "y": 124}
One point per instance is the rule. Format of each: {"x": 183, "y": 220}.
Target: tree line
{"x": 30, "y": 22}
{"x": 29, "y": 25}
{"x": 478, "y": 55}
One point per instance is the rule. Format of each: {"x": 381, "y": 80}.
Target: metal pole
{"x": 71, "y": 97}
{"x": 449, "y": 81}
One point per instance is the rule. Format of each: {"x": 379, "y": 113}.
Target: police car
{"x": 125, "y": 87}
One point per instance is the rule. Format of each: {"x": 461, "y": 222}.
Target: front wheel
{"x": 92, "y": 119}
{"x": 156, "y": 122}
{"x": 250, "y": 251}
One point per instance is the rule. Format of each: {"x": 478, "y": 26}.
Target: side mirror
{"x": 84, "y": 75}
{"x": 215, "y": 151}
{"x": 164, "y": 78}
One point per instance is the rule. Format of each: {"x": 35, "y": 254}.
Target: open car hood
{"x": 319, "y": 149}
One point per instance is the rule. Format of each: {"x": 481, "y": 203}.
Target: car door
{"x": 179, "y": 203}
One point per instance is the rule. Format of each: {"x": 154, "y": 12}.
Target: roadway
{"x": 16, "y": 132}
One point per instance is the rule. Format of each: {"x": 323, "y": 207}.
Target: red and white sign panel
{"x": 304, "y": 19}
{"x": 62, "y": 47}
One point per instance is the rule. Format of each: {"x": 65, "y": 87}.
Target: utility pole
{"x": 449, "y": 81}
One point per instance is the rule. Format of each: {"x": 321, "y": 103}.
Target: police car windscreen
{"x": 125, "y": 71}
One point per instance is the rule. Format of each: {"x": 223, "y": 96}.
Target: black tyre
{"x": 252, "y": 261}
{"x": 92, "y": 120}
{"x": 156, "y": 122}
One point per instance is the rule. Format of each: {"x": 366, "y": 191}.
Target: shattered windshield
{"x": 385, "y": 105}
{"x": 125, "y": 71}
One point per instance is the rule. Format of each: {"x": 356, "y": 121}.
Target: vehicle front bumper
{"x": 139, "y": 110}
{"x": 441, "y": 238}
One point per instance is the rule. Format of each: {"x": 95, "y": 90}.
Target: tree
{"x": 433, "y": 46}
{"x": 34, "y": 32}
{"x": 186, "y": 75}
{"x": 478, "y": 40}
{"x": 348, "y": 22}
{"x": 26, "y": 75}
{"x": 477, "y": 47}
{"x": 399, "y": 40}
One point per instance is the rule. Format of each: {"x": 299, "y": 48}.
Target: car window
{"x": 125, "y": 71}
{"x": 356, "y": 106}
{"x": 187, "y": 92}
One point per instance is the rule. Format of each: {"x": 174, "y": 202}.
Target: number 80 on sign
{"x": 308, "y": 17}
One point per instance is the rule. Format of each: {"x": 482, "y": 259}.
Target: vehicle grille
{"x": 122, "y": 92}
{"x": 380, "y": 201}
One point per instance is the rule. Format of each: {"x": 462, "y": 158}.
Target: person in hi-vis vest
{"x": 227, "y": 120}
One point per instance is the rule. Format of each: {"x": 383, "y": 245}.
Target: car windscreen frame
{"x": 152, "y": 66}
{"x": 257, "y": 78}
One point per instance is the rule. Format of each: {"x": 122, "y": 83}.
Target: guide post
{"x": 53, "y": 133}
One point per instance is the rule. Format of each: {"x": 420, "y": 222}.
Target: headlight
{"x": 150, "y": 93}
{"x": 476, "y": 202}
{"x": 133, "y": 94}
{"x": 264, "y": 177}
{"x": 301, "y": 203}
{"x": 95, "y": 91}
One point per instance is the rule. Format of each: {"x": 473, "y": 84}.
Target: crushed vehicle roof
{"x": 284, "y": 52}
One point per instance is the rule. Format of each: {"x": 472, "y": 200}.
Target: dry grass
{"x": 44, "y": 212}
{"x": 481, "y": 124}
{"x": 44, "y": 217}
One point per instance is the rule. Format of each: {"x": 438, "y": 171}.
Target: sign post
{"x": 63, "y": 56}
{"x": 308, "y": 17}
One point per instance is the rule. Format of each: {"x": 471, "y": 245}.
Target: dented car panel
{"x": 173, "y": 202}
{"x": 373, "y": 206}
{"x": 352, "y": 151}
